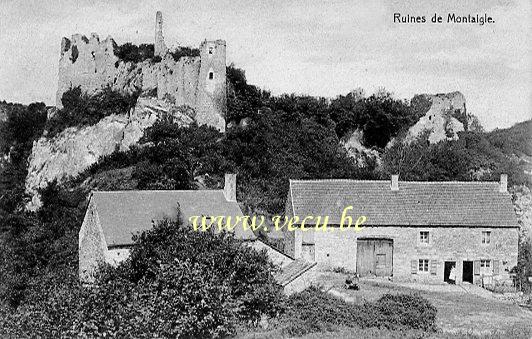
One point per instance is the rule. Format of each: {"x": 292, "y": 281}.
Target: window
{"x": 486, "y": 237}
{"x": 211, "y": 75}
{"x": 211, "y": 50}
{"x": 485, "y": 267}
{"x": 424, "y": 237}
{"x": 423, "y": 265}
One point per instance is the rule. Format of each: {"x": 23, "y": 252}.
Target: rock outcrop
{"x": 75, "y": 149}
{"x": 522, "y": 200}
{"x": 195, "y": 81}
{"x": 361, "y": 154}
{"x": 445, "y": 118}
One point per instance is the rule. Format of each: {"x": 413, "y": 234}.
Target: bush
{"x": 180, "y": 52}
{"x": 129, "y": 52}
{"x": 80, "y": 109}
{"x": 314, "y": 310}
{"x": 405, "y": 311}
{"x": 176, "y": 283}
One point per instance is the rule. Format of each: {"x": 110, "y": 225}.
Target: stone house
{"x": 414, "y": 231}
{"x": 112, "y": 217}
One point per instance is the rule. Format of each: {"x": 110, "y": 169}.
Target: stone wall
{"x": 92, "y": 246}
{"x": 339, "y": 249}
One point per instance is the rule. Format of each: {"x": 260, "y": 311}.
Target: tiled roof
{"x": 415, "y": 203}
{"x": 124, "y": 213}
{"x": 293, "y": 270}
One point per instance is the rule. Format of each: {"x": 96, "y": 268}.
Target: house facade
{"x": 413, "y": 231}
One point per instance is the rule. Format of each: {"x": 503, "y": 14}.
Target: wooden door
{"x": 383, "y": 257}
{"x": 365, "y": 257}
{"x": 374, "y": 257}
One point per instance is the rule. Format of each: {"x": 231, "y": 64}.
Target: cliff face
{"x": 361, "y": 154}
{"x": 522, "y": 199}
{"x": 75, "y": 149}
{"x": 445, "y": 118}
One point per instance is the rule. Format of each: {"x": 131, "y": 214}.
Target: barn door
{"x": 383, "y": 257}
{"x": 365, "y": 260}
{"x": 374, "y": 257}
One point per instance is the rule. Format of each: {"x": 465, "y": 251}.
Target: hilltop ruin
{"x": 195, "y": 81}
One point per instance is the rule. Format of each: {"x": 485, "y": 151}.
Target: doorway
{"x": 447, "y": 272}
{"x": 467, "y": 275}
{"x": 374, "y": 257}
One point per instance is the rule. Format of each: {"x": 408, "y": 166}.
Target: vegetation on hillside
{"x": 287, "y": 137}
{"x": 80, "y": 109}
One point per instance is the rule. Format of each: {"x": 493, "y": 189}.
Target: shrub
{"x": 129, "y": 52}
{"x": 180, "y": 52}
{"x": 405, "y": 311}
{"x": 80, "y": 109}
{"x": 176, "y": 283}
{"x": 314, "y": 310}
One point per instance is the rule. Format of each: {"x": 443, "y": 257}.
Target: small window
{"x": 210, "y": 50}
{"x": 211, "y": 75}
{"x": 423, "y": 265}
{"x": 486, "y": 237}
{"x": 485, "y": 263}
{"x": 424, "y": 237}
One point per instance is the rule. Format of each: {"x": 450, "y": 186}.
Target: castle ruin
{"x": 195, "y": 81}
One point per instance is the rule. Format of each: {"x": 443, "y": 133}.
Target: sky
{"x": 321, "y": 48}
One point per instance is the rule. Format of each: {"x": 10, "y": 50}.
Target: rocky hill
{"x": 446, "y": 117}
{"x": 75, "y": 149}
{"x": 185, "y": 76}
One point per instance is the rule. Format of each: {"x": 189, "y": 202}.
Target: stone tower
{"x": 160, "y": 47}
{"x": 211, "y": 98}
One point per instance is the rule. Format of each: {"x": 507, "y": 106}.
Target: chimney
{"x": 395, "y": 182}
{"x": 503, "y": 184}
{"x": 230, "y": 187}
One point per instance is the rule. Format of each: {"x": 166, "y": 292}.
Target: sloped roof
{"x": 292, "y": 271}
{"x": 415, "y": 203}
{"x": 124, "y": 213}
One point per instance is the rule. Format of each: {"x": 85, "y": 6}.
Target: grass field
{"x": 461, "y": 314}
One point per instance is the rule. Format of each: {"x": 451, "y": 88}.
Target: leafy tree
{"x": 176, "y": 283}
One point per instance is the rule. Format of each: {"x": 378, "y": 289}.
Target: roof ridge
{"x": 400, "y": 181}
{"x": 152, "y": 191}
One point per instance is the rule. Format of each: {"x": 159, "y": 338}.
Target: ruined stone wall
{"x": 446, "y": 117}
{"x": 197, "y": 82}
